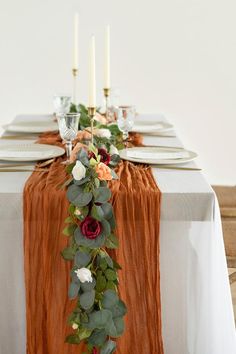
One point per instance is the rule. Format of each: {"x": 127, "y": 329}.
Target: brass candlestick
{"x": 75, "y": 75}
{"x": 91, "y": 112}
{"x": 106, "y": 95}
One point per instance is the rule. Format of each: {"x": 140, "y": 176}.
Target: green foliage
{"x": 101, "y": 194}
{"x": 108, "y": 348}
{"x": 87, "y": 299}
{"x": 98, "y": 311}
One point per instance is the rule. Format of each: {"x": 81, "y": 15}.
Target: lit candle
{"x": 76, "y": 41}
{"x": 107, "y": 82}
{"x": 92, "y": 74}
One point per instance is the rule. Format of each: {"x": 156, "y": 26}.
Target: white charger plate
{"x": 29, "y": 152}
{"x": 31, "y": 127}
{"x": 144, "y": 155}
{"x": 151, "y": 127}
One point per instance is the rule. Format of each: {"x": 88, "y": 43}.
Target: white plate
{"x": 29, "y": 152}
{"x": 151, "y": 127}
{"x": 157, "y": 156}
{"x": 31, "y": 127}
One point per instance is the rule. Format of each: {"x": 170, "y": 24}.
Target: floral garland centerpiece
{"x": 99, "y": 312}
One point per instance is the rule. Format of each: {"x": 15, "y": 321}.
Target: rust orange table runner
{"x": 136, "y": 201}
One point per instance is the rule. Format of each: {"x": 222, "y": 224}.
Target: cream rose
{"x": 102, "y": 133}
{"x": 78, "y": 171}
{"x": 84, "y": 275}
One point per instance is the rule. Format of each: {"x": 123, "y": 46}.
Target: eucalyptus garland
{"x": 98, "y": 316}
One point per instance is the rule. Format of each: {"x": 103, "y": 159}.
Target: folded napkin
{"x": 157, "y": 155}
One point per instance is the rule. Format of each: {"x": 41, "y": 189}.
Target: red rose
{"x": 105, "y": 157}
{"x": 95, "y": 351}
{"x": 90, "y": 227}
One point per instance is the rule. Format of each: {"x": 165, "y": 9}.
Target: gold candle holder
{"x": 91, "y": 113}
{"x": 106, "y": 95}
{"x": 75, "y": 75}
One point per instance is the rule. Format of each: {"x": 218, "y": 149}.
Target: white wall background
{"x": 177, "y": 57}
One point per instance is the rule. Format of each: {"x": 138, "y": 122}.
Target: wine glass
{"x": 62, "y": 104}
{"x": 68, "y": 128}
{"x": 125, "y": 119}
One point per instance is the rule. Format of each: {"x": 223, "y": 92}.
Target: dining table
{"x": 196, "y": 304}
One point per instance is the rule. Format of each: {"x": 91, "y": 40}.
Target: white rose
{"x": 75, "y": 326}
{"x": 84, "y": 275}
{"x": 113, "y": 150}
{"x": 78, "y": 171}
{"x": 103, "y": 133}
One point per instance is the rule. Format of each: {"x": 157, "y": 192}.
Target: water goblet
{"x": 68, "y": 128}
{"x": 125, "y": 119}
{"x": 61, "y": 104}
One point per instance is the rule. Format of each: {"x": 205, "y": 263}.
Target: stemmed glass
{"x": 61, "y": 104}
{"x": 125, "y": 119}
{"x": 68, "y": 128}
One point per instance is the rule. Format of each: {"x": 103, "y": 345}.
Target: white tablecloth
{"x": 197, "y": 311}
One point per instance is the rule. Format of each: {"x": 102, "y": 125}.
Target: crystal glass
{"x": 113, "y": 104}
{"x": 125, "y": 119}
{"x": 61, "y": 104}
{"x": 68, "y": 127}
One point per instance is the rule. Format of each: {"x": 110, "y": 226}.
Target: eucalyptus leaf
{"x": 72, "y": 192}
{"x": 82, "y": 181}
{"x": 99, "y": 319}
{"x": 73, "y": 290}
{"x": 108, "y": 348}
{"x": 107, "y": 210}
{"x": 114, "y": 175}
{"x": 106, "y": 229}
{"x": 102, "y": 194}
{"x": 97, "y": 212}
{"x": 119, "y": 309}
{"x": 82, "y": 259}
{"x": 88, "y": 286}
{"x": 87, "y": 299}
{"x": 98, "y": 337}
{"x": 116, "y": 327}
{"x": 110, "y": 299}
{"x": 112, "y": 222}
{"x": 83, "y": 157}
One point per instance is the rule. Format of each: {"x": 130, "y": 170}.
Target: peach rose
{"x": 104, "y": 172}
{"x": 101, "y": 119}
{"x": 83, "y": 134}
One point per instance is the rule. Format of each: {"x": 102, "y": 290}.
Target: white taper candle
{"x": 76, "y": 41}
{"x": 92, "y": 74}
{"x": 107, "y": 82}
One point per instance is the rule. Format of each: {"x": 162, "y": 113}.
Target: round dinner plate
{"x": 31, "y": 127}
{"x": 29, "y": 152}
{"x": 151, "y": 127}
{"x": 157, "y": 155}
